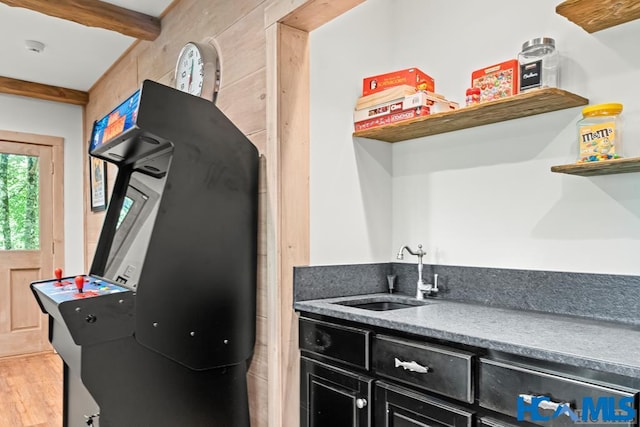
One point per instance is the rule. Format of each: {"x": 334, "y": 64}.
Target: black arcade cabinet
{"x": 161, "y": 330}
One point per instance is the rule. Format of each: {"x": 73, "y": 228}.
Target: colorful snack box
{"x": 497, "y": 81}
{"x": 436, "y": 102}
{"x": 396, "y": 117}
{"x": 410, "y": 76}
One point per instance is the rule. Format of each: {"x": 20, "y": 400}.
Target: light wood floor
{"x": 31, "y": 391}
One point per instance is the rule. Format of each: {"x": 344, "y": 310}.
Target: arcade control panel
{"x": 67, "y": 289}
{"x": 90, "y": 308}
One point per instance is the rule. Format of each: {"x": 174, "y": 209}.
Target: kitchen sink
{"x": 382, "y": 303}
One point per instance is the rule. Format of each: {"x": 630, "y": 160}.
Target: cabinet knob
{"x": 361, "y": 403}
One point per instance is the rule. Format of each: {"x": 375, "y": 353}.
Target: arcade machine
{"x": 161, "y": 330}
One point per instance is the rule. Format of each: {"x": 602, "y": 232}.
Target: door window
{"x": 19, "y": 212}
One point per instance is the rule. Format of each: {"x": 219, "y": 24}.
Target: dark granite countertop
{"x": 600, "y": 345}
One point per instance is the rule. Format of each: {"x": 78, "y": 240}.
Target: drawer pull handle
{"x": 548, "y": 404}
{"x": 412, "y": 366}
{"x": 361, "y": 403}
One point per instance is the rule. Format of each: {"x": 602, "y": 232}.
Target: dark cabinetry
{"x": 436, "y": 368}
{"x": 340, "y": 365}
{"x": 506, "y": 387}
{"x": 333, "y": 397}
{"x": 343, "y": 344}
{"x": 399, "y": 407}
{"x": 355, "y": 376}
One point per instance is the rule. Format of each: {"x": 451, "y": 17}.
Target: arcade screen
{"x": 123, "y": 117}
{"x": 126, "y": 207}
{"x": 133, "y": 229}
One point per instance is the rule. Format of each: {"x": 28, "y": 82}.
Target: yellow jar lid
{"x": 602, "y": 109}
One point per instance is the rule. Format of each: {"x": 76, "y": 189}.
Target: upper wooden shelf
{"x": 596, "y": 15}
{"x": 608, "y": 167}
{"x": 513, "y": 107}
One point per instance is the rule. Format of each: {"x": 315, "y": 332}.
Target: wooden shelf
{"x": 596, "y": 15}
{"x": 513, "y": 107}
{"x": 608, "y": 167}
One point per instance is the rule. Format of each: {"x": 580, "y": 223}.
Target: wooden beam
{"x": 42, "y": 91}
{"x": 307, "y": 15}
{"x": 95, "y": 13}
{"x": 293, "y": 165}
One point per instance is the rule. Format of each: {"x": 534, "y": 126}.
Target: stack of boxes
{"x": 396, "y": 97}
{"x": 406, "y": 94}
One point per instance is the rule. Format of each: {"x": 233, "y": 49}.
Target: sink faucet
{"x": 422, "y": 287}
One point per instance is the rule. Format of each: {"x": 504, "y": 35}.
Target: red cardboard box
{"x": 400, "y": 116}
{"x": 410, "y": 76}
{"x": 497, "y": 81}
{"x": 436, "y": 104}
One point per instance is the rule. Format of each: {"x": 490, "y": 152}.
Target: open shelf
{"x": 607, "y": 167}
{"x": 513, "y": 107}
{"x": 596, "y": 15}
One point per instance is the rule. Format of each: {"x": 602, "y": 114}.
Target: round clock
{"x": 198, "y": 70}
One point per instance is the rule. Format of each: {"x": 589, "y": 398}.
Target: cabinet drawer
{"x": 501, "y": 384}
{"x": 396, "y": 406}
{"x": 340, "y": 343}
{"x": 492, "y": 422}
{"x": 439, "y": 369}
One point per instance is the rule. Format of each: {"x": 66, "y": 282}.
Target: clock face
{"x": 190, "y": 70}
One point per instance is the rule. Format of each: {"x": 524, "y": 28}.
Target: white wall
{"x": 20, "y": 114}
{"x": 350, "y": 182}
{"x": 485, "y": 196}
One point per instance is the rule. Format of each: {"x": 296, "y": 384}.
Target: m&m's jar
{"x": 600, "y": 133}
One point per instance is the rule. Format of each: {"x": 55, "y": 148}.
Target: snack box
{"x": 396, "y": 117}
{"x": 497, "y": 81}
{"x": 436, "y": 102}
{"x": 410, "y": 76}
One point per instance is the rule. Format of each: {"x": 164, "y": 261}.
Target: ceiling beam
{"x": 41, "y": 91}
{"x": 95, "y": 13}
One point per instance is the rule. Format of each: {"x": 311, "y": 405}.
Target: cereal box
{"x": 497, "y": 81}
{"x": 410, "y": 76}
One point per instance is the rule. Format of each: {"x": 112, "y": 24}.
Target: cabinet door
{"x": 333, "y": 397}
{"x": 399, "y": 407}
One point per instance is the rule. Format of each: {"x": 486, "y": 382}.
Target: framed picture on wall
{"x": 98, "y": 181}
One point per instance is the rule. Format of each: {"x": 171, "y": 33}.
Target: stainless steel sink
{"x": 382, "y": 303}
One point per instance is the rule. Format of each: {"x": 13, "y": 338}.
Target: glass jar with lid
{"x": 539, "y": 64}
{"x": 600, "y": 133}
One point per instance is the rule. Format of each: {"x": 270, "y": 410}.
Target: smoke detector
{"x": 34, "y": 46}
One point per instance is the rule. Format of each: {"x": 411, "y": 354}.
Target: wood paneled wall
{"x": 288, "y": 23}
{"x": 237, "y": 28}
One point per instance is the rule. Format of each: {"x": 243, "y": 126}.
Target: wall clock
{"x": 198, "y": 70}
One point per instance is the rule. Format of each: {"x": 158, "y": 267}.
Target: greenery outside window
{"x": 19, "y": 205}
